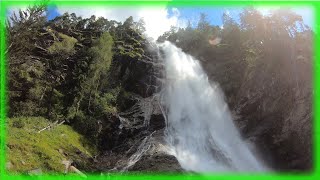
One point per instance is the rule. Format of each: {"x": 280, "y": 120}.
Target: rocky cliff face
{"x": 137, "y": 139}
{"x": 276, "y": 112}
{"x": 273, "y": 109}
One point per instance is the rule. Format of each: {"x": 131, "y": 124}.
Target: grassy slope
{"x": 28, "y": 150}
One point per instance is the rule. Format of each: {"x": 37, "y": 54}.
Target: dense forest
{"x": 258, "y": 40}
{"x": 83, "y": 72}
{"x": 61, "y": 69}
{"x": 264, "y": 66}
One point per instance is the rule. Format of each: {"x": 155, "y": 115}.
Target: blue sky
{"x": 159, "y": 20}
{"x": 214, "y": 14}
{"x": 52, "y": 12}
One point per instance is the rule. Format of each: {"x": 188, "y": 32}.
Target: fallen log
{"x": 44, "y": 129}
{"x": 53, "y": 125}
{"x": 70, "y": 168}
{"x": 61, "y": 122}
{"x": 74, "y": 169}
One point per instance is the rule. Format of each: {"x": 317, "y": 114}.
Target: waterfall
{"x": 200, "y": 128}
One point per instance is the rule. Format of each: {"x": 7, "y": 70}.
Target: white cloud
{"x": 175, "y": 12}
{"x": 306, "y": 12}
{"x": 303, "y": 11}
{"x": 157, "y": 19}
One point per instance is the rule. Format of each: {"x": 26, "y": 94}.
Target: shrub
{"x": 18, "y": 123}
{"x": 66, "y": 46}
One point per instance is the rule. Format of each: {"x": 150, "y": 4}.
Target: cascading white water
{"x": 200, "y": 127}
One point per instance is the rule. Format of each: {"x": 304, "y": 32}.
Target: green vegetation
{"x": 257, "y": 45}
{"x": 28, "y": 150}
{"x": 66, "y": 69}
{"x": 66, "y": 46}
{"x": 79, "y": 70}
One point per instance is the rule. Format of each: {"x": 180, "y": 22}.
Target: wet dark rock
{"x": 278, "y": 115}
{"x": 157, "y": 163}
{"x": 273, "y": 109}
{"x": 140, "y": 76}
{"x": 156, "y": 159}
{"x": 137, "y": 132}
{"x": 157, "y": 122}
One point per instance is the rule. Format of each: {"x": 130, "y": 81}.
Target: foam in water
{"x": 199, "y": 125}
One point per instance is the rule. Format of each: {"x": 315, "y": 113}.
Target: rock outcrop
{"x": 136, "y": 142}
{"x": 273, "y": 109}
